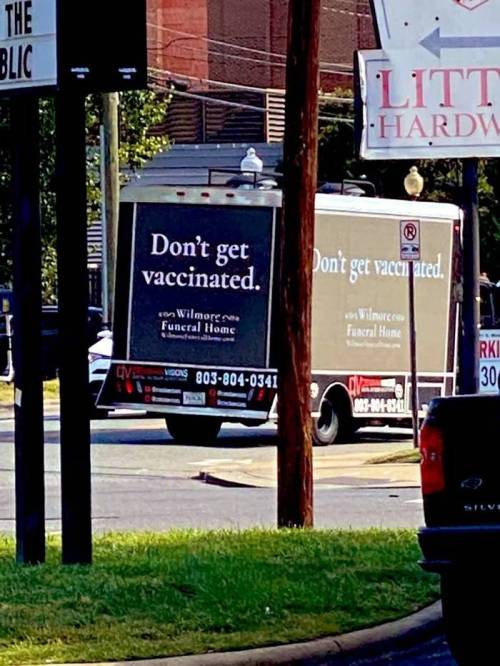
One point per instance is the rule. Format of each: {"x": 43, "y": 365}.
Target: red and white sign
{"x": 489, "y": 361}
{"x": 413, "y": 109}
{"x": 404, "y": 25}
{"x": 409, "y": 240}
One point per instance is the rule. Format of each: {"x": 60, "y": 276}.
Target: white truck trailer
{"x": 196, "y": 309}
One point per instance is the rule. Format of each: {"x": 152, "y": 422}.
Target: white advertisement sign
{"x": 441, "y": 24}
{"x": 417, "y": 107}
{"x": 489, "y": 361}
{"x": 28, "y": 50}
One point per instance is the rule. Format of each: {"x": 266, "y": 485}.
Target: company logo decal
{"x": 474, "y": 483}
{"x": 470, "y": 4}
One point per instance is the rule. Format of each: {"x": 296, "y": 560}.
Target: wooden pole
{"x": 295, "y": 478}
{"x": 111, "y": 199}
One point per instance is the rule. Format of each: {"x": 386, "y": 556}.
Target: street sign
{"x": 408, "y": 25}
{"x": 413, "y": 106}
{"x": 92, "y": 47}
{"x": 27, "y": 44}
{"x": 489, "y": 360}
{"x": 409, "y": 240}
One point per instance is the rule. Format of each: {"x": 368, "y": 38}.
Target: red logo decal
{"x": 470, "y": 4}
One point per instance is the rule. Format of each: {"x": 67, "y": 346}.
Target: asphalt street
{"x": 141, "y": 480}
{"x": 432, "y": 653}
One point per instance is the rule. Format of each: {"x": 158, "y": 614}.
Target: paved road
{"x": 432, "y": 653}
{"x": 142, "y": 481}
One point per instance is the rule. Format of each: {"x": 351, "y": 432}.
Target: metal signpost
{"x": 431, "y": 92}
{"x": 409, "y": 244}
{"x": 44, "y": 48}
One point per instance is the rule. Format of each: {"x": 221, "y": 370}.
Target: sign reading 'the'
{"x": 28, "y": 45}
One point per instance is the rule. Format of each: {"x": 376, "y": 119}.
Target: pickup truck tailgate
{"x": 471, "y": 462}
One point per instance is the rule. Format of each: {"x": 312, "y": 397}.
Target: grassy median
{"x": 50, "y": 392}
{"x": 187, "y": 592}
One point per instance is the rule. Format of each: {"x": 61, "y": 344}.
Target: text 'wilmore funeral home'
{"x": 437, "y": 108}
{"x": 27, "y": 43}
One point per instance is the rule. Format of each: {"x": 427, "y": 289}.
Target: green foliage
{"x": 150, "y": 595}
{"x": 141, "y": 113}
{"x": 442, "y": 178}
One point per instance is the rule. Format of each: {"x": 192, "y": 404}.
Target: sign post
{"x": 410, "y": 252}
{"x": 28, "y": 401}
{"x": 431, "y": 92}
{"x": 45, "y": 48}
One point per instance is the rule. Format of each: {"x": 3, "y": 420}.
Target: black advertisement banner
{"x": 201, "y": 284}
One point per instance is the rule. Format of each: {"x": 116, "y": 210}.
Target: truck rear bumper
{"x": 448, "y": 547}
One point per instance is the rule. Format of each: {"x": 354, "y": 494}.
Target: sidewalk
{"x": 337, "y": 466}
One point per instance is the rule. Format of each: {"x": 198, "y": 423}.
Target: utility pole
{"x": 469, "y": 353}
{"x": 111, "y": 195}
{"x": 295, "y": 477}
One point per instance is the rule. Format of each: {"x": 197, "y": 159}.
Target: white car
{"x": 99, "y": 362}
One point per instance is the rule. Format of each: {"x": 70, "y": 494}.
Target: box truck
{"x": 196, "y": 312}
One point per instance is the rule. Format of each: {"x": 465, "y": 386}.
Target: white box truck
{"x": 196, "y": 309}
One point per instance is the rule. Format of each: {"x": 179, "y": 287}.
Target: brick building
{"x": 196, "y": 43}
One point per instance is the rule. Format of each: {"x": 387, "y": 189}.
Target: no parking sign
{"x": 409, "y": 240}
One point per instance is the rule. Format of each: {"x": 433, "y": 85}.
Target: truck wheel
{"x": 326, "y": 427}
{"x": 470, "y": 625}
{"x": 193, "y": 429}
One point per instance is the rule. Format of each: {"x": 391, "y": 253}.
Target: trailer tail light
{"x": 261, "y": 395}
{"x": 431, "y": 465}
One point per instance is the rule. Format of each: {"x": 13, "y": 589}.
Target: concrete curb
{"x": 329, "y": 651}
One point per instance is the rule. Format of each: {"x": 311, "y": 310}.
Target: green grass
{"x": 411, "y": 456}
{"x": 185, "y": 592}
{"x": 50, "y": 392}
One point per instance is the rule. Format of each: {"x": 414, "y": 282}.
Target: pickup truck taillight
{"x": 431, "y": 465}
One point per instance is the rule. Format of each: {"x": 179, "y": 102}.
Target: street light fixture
{"x": 414, "y": 183}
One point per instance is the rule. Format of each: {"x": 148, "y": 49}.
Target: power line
{"x": 238, "y": 46}
{"x": 255, "y": 61}
{"x": 237, "y": 86}
{"x": 238, "y": 105}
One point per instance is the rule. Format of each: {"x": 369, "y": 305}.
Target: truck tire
{"x": 327, "y": 426}
{"x": 193, "y": 429}
{"x": 470, "y": 624}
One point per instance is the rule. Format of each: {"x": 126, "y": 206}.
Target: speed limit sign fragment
{"x": 409, "y": 240}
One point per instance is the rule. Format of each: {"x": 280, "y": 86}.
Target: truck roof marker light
{"x": 431, "y": 465}
{"x": 181, "y": 194}
{"x": 205, "y": 194}
{"x": 230, "y": 195}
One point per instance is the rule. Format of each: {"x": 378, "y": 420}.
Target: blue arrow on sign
{"x": 434, "y": 42}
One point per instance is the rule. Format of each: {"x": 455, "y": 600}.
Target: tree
{"x": 141, "y": 112}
